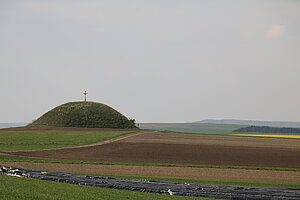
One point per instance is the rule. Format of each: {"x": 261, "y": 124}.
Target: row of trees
{"x": 268, "y": 129}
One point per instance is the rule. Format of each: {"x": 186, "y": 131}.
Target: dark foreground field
{"x": 154, "y": 147}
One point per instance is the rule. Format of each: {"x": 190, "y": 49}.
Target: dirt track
{"x": 186, "y": 149}
{"x": 171, "y": 172}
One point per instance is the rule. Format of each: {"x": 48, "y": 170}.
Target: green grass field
{"x": 193, "y": 127}
{"x": 16, "y": 141}
{"x": 31, "y": 189}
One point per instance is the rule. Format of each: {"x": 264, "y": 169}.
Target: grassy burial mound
{"x": 84, "y": 115}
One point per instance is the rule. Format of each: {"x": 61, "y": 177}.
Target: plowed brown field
{"x": 154, "y": 147}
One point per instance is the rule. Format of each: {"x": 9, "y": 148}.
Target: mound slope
{"x": 84, "y": 115}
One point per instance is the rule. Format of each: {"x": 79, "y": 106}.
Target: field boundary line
{"x": 111, "y": 140}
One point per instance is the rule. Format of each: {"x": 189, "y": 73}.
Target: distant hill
{"x": 9, "y": 125}
{"x": 84, "y": 115}
{"x": 267, "y": 129}
{"x": 251, "y": 122}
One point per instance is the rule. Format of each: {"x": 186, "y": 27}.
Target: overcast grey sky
{"x": 155, "y": 61}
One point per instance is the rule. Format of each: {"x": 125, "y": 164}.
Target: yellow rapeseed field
{"x": 276, "y": 136}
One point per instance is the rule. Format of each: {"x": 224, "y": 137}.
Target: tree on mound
{"x": 85, "y": 115}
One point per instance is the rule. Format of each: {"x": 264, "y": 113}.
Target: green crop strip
{"x": 10, "y": 158}
{"x": 38, "y": 140}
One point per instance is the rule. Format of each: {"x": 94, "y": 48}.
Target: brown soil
{"x": 167, "y": 172}
{"x": 155, "y": 147}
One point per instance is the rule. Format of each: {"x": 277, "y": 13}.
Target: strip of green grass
{"x": 31, "y": 189}
{"x": 228, "y": 134}
{"x": 37, "y": 140}
{"x": 252, "y": 135}
{"x": 11, "y": 158}
{"x": 193, "y": 127}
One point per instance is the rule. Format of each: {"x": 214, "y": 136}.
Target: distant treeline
{"x": 268, "y": 129}
{"x": 252, "y": 122}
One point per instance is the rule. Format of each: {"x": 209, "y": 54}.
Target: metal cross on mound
{"x": 85, "y": 93}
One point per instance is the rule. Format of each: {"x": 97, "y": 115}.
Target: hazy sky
{"x": 155, "y": 61}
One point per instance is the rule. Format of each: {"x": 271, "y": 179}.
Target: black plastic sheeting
{"x": 182, "y": 189}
